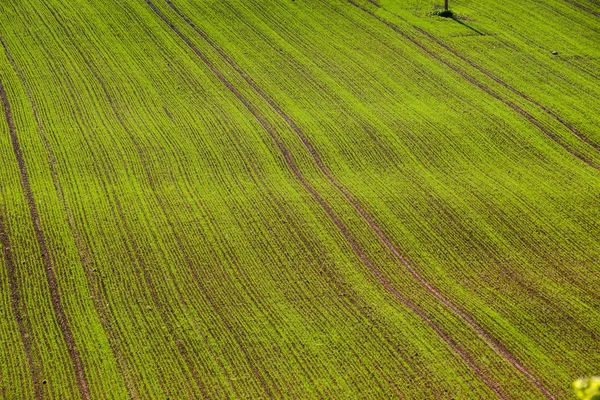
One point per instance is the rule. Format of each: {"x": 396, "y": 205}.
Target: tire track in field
{"x": 572, "y": 280}
{"x": 331, "y": 277}
{"x": 494, "y": 343}
{"x": 481, "y": 86}
{"x": 136, "y": 251}
{"x": 581, "y": 7}
{"x": 110, "y": 193}
{"x": 500, "y": 349}
{"x": 350, "y": 296}
{"x": 53, "y": 285}
{"x": 21, "y": 317}
{"x": 99, "y": 295}
{"x": 351, "y": 300}
{"x": 498, "y": 80}
{"x": 290, "y": 162}
{"x": 186, "y": 256}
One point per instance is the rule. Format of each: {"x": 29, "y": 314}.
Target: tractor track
{"x": 188, "y": 260}
{"x": 180, "y": 241}
{"x": 53, "y": 285}
{"x": 495, "y": 344}
{"x": 99, "y": 295}
{"x": 346, "y": 300}
{"x": 290, "y": 162}
{"x": 21, "y": 317}
{"x": 583, "y": 8}
{"x": 134, "y": 254}
{"x": 535, "y": 122}
{"x": 498, "y": 347}
{"x": 492, "y": 76}
{"x": 481, "y": 86}
{"x": 137, "y": 254}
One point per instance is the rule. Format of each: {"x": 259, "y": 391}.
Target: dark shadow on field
{"x": 469, "y": 27}
{"x": 459, "y": 18}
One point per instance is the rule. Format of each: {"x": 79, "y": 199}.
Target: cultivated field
{"x": 299, "y": 199}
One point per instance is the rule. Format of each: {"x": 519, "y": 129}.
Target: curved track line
{"x": 494, "y": 343}
{"x": 82, "y": 248}
{"x": 524, "y": 96}
{"x": 290, "y": 162}
{"x": 498, "y": 80}
{"x": 587, "y": 10}
{"x": 187, "y": 258}
{"x": 21, "y": 318}
{"x": 500, "y": 349}
{"x": 53, "y": 285}
{"x": 481, "y": 86}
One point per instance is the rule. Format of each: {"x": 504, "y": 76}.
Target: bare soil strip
{"x": 500, "y": 349}
{"x": 53, "y": 286}
{"x": 500, "y": 81}
{"x": 99, "y": 297}
{"x": 134, "y": 253}
{"x": 191, "y": 266}
{"x": 481, "y": 86}
{"x": 324, "y": 205}
{"x": 494, "y": 343}
{"x": 587, "y": 10}
{"x": 21, "y": 318}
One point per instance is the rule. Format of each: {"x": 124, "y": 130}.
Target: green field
{"x": 299, "y": 199}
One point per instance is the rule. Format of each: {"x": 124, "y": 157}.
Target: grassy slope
{"x": 191, "y": 260}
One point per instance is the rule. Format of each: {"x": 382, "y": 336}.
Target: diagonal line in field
{"x": 180, "y": 245}
{"x": 481, "y": 86}
{"x": 326, "y": 207}
{"x": 53, "y": 286}
{"x": 497, "y": 79}
{"x": 82, "y": 247}
{"x": 19, "y": 312}
{"x": 179, "y": 241}
{"x": 583, "y": 8}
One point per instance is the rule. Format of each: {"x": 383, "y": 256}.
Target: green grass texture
{"x": 314, "y": 199}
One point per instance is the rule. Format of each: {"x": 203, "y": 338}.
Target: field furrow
{"x": 19, "y": 312}
{"x": 504, "y": 84}
{"x": 498, "y": 347}
{"x": 492, "y": 93}
{"x": 47, "y": 261}
{"x": 298, "y": 199}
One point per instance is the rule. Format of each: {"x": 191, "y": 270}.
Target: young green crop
{"x": 307, "y": 199}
